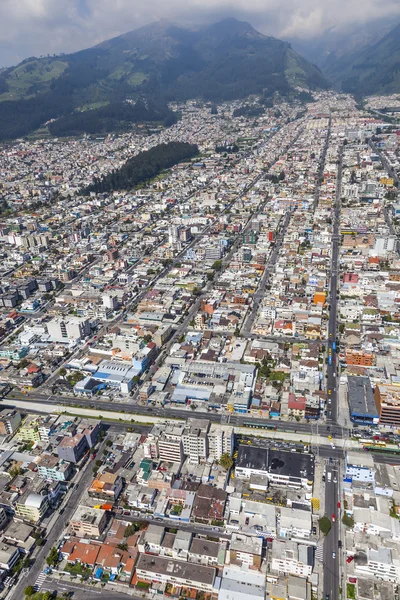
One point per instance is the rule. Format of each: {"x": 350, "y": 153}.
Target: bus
{"x": 260, "y": 426}
{"x": 383, "y": 449}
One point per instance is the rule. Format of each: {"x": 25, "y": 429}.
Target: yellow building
{"x": 29, "y": 430}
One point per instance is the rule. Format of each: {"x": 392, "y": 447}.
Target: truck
{"x": 334, "y": 346}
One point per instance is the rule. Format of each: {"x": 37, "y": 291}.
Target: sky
{"x": 36, "y": 27}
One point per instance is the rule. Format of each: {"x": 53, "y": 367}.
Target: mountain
{"x": 332, "y": 44}
{"x": 223, "y": 61}
{"x": 370, "y": 70}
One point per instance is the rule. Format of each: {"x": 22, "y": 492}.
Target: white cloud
{"x": 34, "y": 27}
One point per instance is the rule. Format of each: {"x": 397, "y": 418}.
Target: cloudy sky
{"x": 35, "y": 27}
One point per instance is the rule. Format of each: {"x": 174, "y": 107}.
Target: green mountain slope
{"x": 374, "y": 69}
{"x": 223, "y": 61}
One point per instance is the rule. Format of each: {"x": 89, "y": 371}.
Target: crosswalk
{"x": 39, "y": 582}
{"x": 319, "y": 552}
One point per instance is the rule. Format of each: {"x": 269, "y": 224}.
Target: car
{"x": 333, "y": 554}
{"x": 247, "y": 521}
{"x": 335, "y": 479}
{"x": 326, "y": 596}
{"x": 349, "y": 559}
{"x": 333, "y": 518}
{"x": 329, "y": 392}
{"x": 314, "y": 530}
{"x": 339, "y": 543}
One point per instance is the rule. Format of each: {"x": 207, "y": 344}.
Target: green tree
{"x": 52, "y": 558}
{"x": 226, "y": 461}
{"x": 63, "y": 372}
{"x": 217, "y": 266}
{"x": 29, "y": 591}
{"x": 109, "y": 443}
{"x": 325, "y": 525}
{"x": 348, "y": 520}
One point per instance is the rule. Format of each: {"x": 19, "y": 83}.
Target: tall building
{"x": 165, "y": 442}
{"x": 195, "y": 441}
{"x": 220, "y": 440}
{"x": 9, "y": 421}
{"x": 387, "y": 399}
{"x": 64, "y": 330}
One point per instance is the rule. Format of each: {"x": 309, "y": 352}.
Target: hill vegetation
{"x": 372, "y": 70}
{"x": 116, "y": 116}
{"x": 224, "y": 61}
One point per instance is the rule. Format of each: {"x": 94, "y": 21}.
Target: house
{"x": 106, "y": 486}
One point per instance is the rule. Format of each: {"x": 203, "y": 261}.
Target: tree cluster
{"x": 143, "y": 167}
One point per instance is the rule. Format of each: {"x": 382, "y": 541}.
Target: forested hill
{"x": 143, "y": 167}
{"x": 114, "y": 117}
{"x": 161, "y": 61}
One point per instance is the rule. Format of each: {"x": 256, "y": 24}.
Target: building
{"x": 35, "y": 428}
{"x": 291, "y": 558}
{"x": 73, "y": 448}
{"x": 52, "y": 468}
{"x": 382, "y": 564}
{"x": 32, "y": 507}
{"x": 29, "y": 430}
{"x": 164, "y": 442}
{"x": 246, "y": 551}
{"x": 68, "y": 330}
{"x": 387, "y": 398}
{"x": 241, "y": 584}
{"x": 107, "y": 486}
{"x": 155, "y": 569}
{"x": 361, "y": 401}
{"x": 20, "y": 535}
{"x": 284, "y": 468}
{"x": 359, "y": 467}
{"x": 3, "y": 518}
{"x": 195, "y": 440}
{"x": 9, "y": 556}
{"x": 220, "y": 440}
{"x": 9, "y": 421}
{"x": 88, "y": 522}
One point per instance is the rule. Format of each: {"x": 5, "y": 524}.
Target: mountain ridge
{"x": 222, "y": 61}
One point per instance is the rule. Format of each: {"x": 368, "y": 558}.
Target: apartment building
{"x": 387, "y": 398}
{"x": 220, "y": 440}
{"x": 88, "y": 522}
{"x": 52, "y": 468}
{"x": 107, "y": 486}
{"x": 157, "y": 569}
{"x": 66, "y": 330}
{"x": 73, "y": 448}
{"x": 195, "y": 440}
{"x": 245, "y": 551}
{"x": 32, "y": 507}
{"x": 9, "y": 421}
{"x": 291, "y": 558}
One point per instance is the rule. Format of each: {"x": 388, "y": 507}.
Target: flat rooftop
{"x": 176, "y": 568}
{"x": 280, "y": 462}
{"x": 360, "y": 397}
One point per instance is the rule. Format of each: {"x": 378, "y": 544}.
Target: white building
{"x": 195, "y": 440}
{"x": 381, "y": 564}
{"x": 220, "y": 440}
{"x": 67, "y": 330}
{"x": 359, "y": 467}
{"x": 291, "y": 558}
